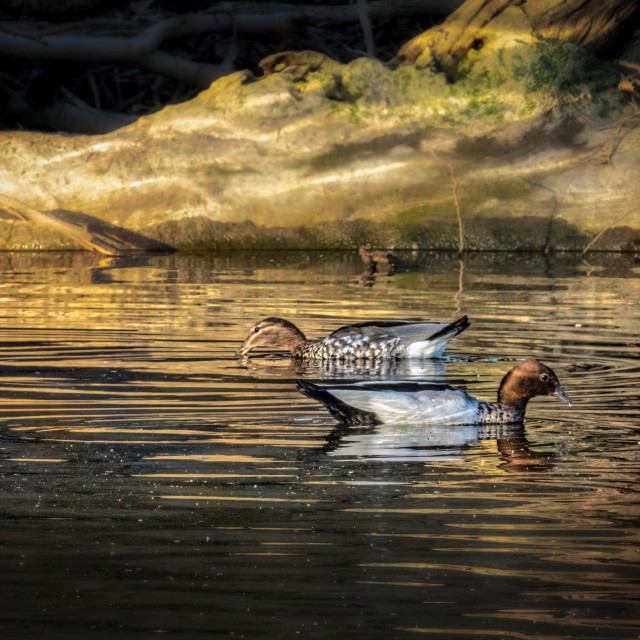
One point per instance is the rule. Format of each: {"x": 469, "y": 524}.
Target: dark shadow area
{"x": 92, "y": 67}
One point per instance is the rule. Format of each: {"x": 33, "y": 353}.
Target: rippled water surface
{"x": 153, "y": 483}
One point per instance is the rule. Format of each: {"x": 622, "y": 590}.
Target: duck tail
{"x": 340, "y": 410}
{"x": 435, "y": 344}
{"x": 453, "y": 329}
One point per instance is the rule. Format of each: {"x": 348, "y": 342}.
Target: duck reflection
{"x": 435, "y": 443}
{"x": 390, "y": 263}
{"x": 283, "y": 366}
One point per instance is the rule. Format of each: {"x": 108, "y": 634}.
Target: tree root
{"x": 446, "y": 45}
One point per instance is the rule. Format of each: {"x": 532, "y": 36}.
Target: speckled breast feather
{"x": 350, "y": 348}
{"x": 496, "y": 413}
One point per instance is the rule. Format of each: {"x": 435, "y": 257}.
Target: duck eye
{"x": 544, "y": 377}
{"x": 257, "y": 329}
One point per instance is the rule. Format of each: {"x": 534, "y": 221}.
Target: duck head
{"x": 527, "y": 380}
{"x": 272, "y": 332}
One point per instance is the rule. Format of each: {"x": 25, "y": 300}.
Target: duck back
{"x": 399, "y": 403}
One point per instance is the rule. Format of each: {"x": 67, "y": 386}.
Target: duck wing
{"x": 380, "y": 403}
{"x": 421, "y": 339}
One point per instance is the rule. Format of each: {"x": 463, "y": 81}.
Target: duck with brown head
{"x": 383, "y": 340}
{"x": 525, "y": 381}
{"x": 396, "y": 402}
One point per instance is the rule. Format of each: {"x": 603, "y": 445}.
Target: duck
{"x": 378, "y": 403}
{"x": 373, "y": 257}
{"x": 372, "y": 341}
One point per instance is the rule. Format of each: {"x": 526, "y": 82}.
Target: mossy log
{"x": 533, "y": 147}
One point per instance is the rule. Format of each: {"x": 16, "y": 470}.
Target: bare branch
{"x": 365, "y": 22}
{"x": 601, "y": 232}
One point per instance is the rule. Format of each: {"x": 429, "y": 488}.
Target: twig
{"x": 613, "y": 224}
{"x": 94, "y": 90}
{"x": 365, "y": 23}
{"x": 454, "y": 189}
{"x": 628, "y": 64}
{"x": 460, "y": 291}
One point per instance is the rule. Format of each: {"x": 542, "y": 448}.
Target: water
{"x": 152, "y": 483}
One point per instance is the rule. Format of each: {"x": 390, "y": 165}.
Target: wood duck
{"x": 375, "y": 341}
{"x": 374, "y": 403}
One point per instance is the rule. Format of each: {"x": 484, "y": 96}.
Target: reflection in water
{"x": 428, "y": 443}
{"x": 269, "y": 366}
{"x": 152, "y": 482}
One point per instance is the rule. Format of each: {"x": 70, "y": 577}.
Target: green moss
{"x": 484, "y": 106}
{"x": 402, "y": 79}
{"x": 543, "y": 71}
{"x": 355, "y": 117}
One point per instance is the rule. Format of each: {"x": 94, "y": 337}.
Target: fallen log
{"x": 91, "y": 233}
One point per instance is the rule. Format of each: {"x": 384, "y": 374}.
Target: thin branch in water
{"x": 460, "y": 291}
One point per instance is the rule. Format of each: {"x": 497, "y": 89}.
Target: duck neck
{"x": 293, "y": 339}
{"x": 513, "y": 394}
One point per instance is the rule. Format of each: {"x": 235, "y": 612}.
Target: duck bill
{"x": 244, "y": 348}
{"x": 562, "y": 394}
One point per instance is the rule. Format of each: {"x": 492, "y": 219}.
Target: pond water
{"x": 153, "y": 483}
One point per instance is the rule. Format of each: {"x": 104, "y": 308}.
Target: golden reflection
{"x": 542, "y": 616}
{"x": 37, "y": 459}
{"x": 240, "y": 499}
{"x": 298, "y": 544}
{"x": 401, "y": 584}
{"x": 143, "y": 358}
{"x": 482, "y": 632}
{"x": 589, "y": 576}
{"x": 266, "y": 553}
{"x": 214, "y": 475}
{"x": 217, "y": 457}
{"x": 292, "y": 529}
